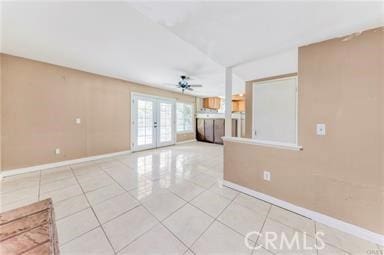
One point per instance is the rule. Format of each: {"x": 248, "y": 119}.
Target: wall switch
{"x": 78, "y": 120}
{"x": 320, "y": 129}
{"x": 57, "y": 151}
{"x": 267, "y": 176}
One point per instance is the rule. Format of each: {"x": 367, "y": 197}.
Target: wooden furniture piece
{"x": 29, "y": 230}
{"x": 219, "y": 130}
{"x": 238, "y": 106}
{"x": 211, "y": 130}
{"x": 238, "y": 103}
{"x": 200, "y": 130}
{"x": 212, "y": 103}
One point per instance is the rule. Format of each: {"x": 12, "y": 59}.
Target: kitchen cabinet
{"x": 238, "y": 106}
{"x": 211, "y": 130}
{"x": 200, "y": 130}
{"x": 212, "y": 103}
{"x": 219, "y": 130}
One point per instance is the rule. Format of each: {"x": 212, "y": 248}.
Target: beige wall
{"x": 41, "y": 101}
{"x": 341, "y": 84}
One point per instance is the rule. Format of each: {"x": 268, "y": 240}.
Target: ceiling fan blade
{"x": 196, "y": 85}
{"x": 190, "y": 89}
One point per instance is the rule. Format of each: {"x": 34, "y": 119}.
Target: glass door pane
{"x": 144, "y": 119}
{"x": 153, "y": 122}
{"x": 165, "y": 122}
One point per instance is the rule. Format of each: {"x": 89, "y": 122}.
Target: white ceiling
{"x": 153, "y": 43}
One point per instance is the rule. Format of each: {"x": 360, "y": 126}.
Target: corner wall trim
{"x": 318, "y": 217}
{"x": 60, "y": 163}
{"x": 186, "y": 141}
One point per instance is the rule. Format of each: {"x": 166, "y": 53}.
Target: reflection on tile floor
{"x": 165, "y": 201}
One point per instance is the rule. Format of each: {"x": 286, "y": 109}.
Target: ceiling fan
{"x": 183, "y": 84}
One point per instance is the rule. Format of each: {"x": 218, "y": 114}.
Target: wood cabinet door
{"x": 234, "y": 127}
{"x": 200, "y": 130}
{"x": 219, "y": 131}
{"x": 208, "y": 130}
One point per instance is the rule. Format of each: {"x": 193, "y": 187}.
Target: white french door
{"x": 153, "y": 122}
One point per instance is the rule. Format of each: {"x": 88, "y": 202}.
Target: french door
{"x": 153, "y": 122}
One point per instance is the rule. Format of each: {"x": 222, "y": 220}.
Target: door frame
{"x": 133, "y": 118}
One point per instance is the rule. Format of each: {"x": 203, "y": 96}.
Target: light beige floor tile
{"x": 70, "y": 206}
{"x": 188, "y": 252}
{"x": 75, "y": 225}
{"x": 188, "y": 223}
{"x": 115, "y": 206}
{"x": 330, "y": 250}
{"x": 18, "y": 184}
{"x": 242, "y": 219}
{"x": 104, "y": 193}
{"x": 29, "y": 193}
{"x": 186, "y": 190}
{"x": 93, "y": 242}
{"x": 95, "y": 182}
{"x": 219, "y": 239}
{"x": 58, "y": 184}
{"x": 162, "y": 205}
{"x": 261, "y": 251}
{"x": 112, "y": 164}
{"x": 223, "y": 191}
{"x": 55, "y": 174}
{"x": 131, "y": 182}
{"x": 293, "y": 220}
{"x": 345, "y": 241}
{"x": 274, "y": 232}
{"x": 88, "y": 171}
{"x": 204, "y": 180}
{"x": 211, "y": 203}
{"x": 127, "y": 227}
{"x": 62, "y": 194}
{"x": 19, "y": 203}
{"x": 148, "y": 189}
{"x": 252, "y": 203}
{"x": 156, "y": 241}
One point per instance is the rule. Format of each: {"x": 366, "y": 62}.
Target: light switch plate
{"x": 320, "y": 129}
{"x": 57, "y": 151}
{"x": 78, "y": 120}
{"x": 267, "y": 176}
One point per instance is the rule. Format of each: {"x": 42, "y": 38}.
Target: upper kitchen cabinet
{"x": 238, "y": 103}
{"x": 212, "y": 103}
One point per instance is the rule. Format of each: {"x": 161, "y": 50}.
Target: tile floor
{"x": 164, "y": 201}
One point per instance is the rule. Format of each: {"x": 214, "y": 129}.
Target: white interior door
{"x": 153, "y": 122}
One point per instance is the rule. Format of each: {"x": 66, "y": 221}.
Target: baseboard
{"x": 61, "y": 163}
{"x": 186, "y": 141}
{"x": 318, "y": 217}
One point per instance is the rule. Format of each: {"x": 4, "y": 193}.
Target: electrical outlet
{"x": 57, "y": 151}
{"x": 78, "y": 120}
{"x": 267, "y": 176}
{"x": 320, "y": 129}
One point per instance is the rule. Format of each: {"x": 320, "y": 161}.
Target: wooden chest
{"x": 29, "y": 230}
